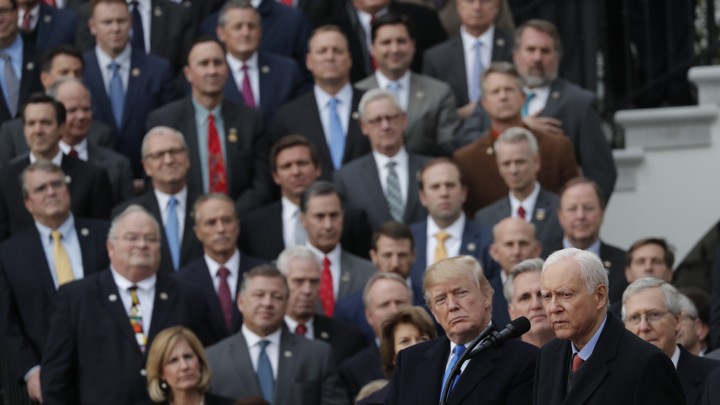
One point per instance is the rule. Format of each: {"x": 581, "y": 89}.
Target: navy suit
{"x": 54, "y": 27}
{"x": 28, "y": 293}
{"x": 693, "y": 372}
{"x": 150, "y": 85}
{"x": 500, "y": 314}
{"x": 360, "y": 369}
{"x": 29, "y": 81}
{"x": 344, "y": 338}
{"x": 197, "y": 274}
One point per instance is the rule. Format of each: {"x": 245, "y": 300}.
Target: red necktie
{"x": 216, "y": 165}
{"x": 25, "y": 24}
{"x": 577, "y": 362}
{"x": 226, "y": 303}
{"x": 73, "y": 153}
{"x": 521, "y": 212}
{"x": 246, "y": 89}
{"x": 373, "y": 65}
{"x": 301, "y": 329}
{"x": 288, "y": 3}
{"x": 327, "y": 298}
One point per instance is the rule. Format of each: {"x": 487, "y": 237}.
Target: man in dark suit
{"x": 219, "y": 271}
{"x": 304, "y": 368}
{"x": 503, "y": 98}
{"x": 125, "y": 84}
{"x": 522, "y": 293}
{"x": 259, "y": 79}
{"x": 28, "y": 281}
{"x": 226, "y": 144}
{"x": 649, "y": 257}
{"x": 460, "y": 298}
{"x": 658, "y": 302}
{"x": 382, "y": 182}
{"x": 327, "y": 116}
{"x": 45, "y": 26}
{"x": 44, "y": 121}
{"x": 166, "y": 163}
{"x": 302, "y": 271}
{"x": 103, "y": 325}
{"x": 446, "y": 232}
{"x": 461, "y": 61}
{"x": 516, "y": 152}
{"x": 594, "y": 359}
{"x": 294, "y": 165}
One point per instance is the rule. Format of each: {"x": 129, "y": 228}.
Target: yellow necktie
{"x": 440, "y": 251}
{"x": 63, "y": 270}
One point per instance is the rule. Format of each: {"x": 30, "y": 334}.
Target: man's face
{"x": 442, "y": 194}
{"x": 240, "y": 33}
{"x": 385, "y": 298}
{"x": 477, "y": 15}
{"x": 79, "y": 111}
{"x": 527, "y": 301}
{"x": 63, "y": 66}
{"x": 648, "y": 261}
{"x": 110, "y": 24}
{"x": 8, "y": 23}
{"x": 517, "y": 165}
{"x": 303, "y": 276}
{"x": 393, "y": 256}
{"x": 502, "y": 97}
{"x": 514, "y": 242}
{"x": 393, "y": 49}
{"x": 460, "y": 307}
{"x": 647, "y": 316}
{"x": 323, "y": 220}
{"x": 165, "y": 159}
{"x": 536, "y": 58}
{"x": 573, "y": 311}
{"x": 370, "y": 6}
{"x": 42, "y": 132}
{"x": 580, "y": 214}
{"x": 217, "y": 227}
{"x": 48, "y": 198}
{"x": 262, "y": 304}
{"x": 134, "y": 250}
{"x": 384, "y": 124}
{"x": 206, "y": 71}
{"x": 295, "y": 170}
{"x": 328, "y": 57}
{"x": 691, "y": 332}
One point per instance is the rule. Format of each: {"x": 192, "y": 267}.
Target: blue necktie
{"x": 337, "y": 135}
{"x": 394, "y": 87}
{"x": 12, "y": 84}
{"x": 526, "y": 104}
{"x": 138, "y": 35}
{"x": 172, "y": 232}
{"x": 117, "y": 94}
{"x": 459, "y": 349}
{"x": 475, "y": 82}
{"x": 265, "y": 373}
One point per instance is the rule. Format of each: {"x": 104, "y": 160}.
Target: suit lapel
{"x": 500, "y": 47}
{"x": 188, "y": 127}
{"x": 44, "y": 24}
{"x": 469, "y": 243}
{"x": 87, "y": 247}
{"x": 39, "y": 264}
{"x": 165, "y": 300}
{"x": 372, "y": 185}
{"x": 346, "y": 266}
{"x": 316, "y": 133}
{"x": 239, "y": 355}
{"x": 457, "y": 69}
{"x": 134, "y": 90}
{"x": 415, "y": 99}
{"x": 94, "y": 80}
{"x": 188, "y": 237}
{"x": 112, "y": 303}
{"x": 552, "y": 103}
{"x": 265, "y": 77}
{"x": 232, "y": 91}
{"x": 476, "y": 370}
{"x": 232, "y": 127}
{"x": 200, "y": 277}
{"x": 157, "y": 26}
{"x": 421, "y": 259}
{"x": 28, "y": 71}
{"x": 287, "y": 365}
{"x": 354, "y": 135}
{"x": 434, "y": 361}
{"x": 412, "y": 202}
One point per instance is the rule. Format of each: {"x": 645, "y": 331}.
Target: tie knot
{"x": 223, "y": 272}
{"x": 114, "y": 66}
{"x": 333, "y": 103}
{"x": 301, "y": 329}
{"x": 5, "y": 57}
{"x": 442, "y": 237}
{"x": 134, "y": 3}
{"x": 55, "y": 234}
{"x": 394, "y": 86}
{"x": 244, "y": 68}
{"x": 172, "y": 202}
{"x": 478, "y": 45}
{"x": 263, "y": 344}
{"x": 326, "y": 262}
{"x": 391, "y": 164}
{"x": 211, "y": 119}
{"x": 133, "y": 289}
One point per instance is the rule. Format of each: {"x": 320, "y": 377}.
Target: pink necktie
{"x": 247, "y": 93}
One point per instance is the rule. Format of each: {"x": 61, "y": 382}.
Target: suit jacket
{"x": 301, "y": 116}
{"x": 344, "y": 338}
{"x": 693, "y": 372}
{"x": 501, "y": 375}
{"x": 500, "y": 314}
{"x": 544, "y": 217}
{"x": 117, "y": 167}
{"x": 478, "y": 166}
{"x": 262, "y": 232}
{"x": 317, "y": 10}
{"x": 360, "y": 369}
{"x": 355, "y": 273}
{"x": 431, "y": 33}
{"x": 712, "y": 388}
{"x": 29, "y": 81}
{"x": 446, "y": 62}
{"x": 190, "y": 248}
{"x": 359, "y": 182}
{"x": 13, "y": 144}
{"x": 306, "y": 371}
{"x": 431, "y": 114}
{"x": 91, "y": 355}
{"x": 150, "y": 85}
{"x": 197, "y": 274}
{"x": 54, "y": 27}
{"x": 246, "y": 163}
{"x": 87, "y": 183}
{"x": 27, "y": 290}
{"x": 622, "y": 369}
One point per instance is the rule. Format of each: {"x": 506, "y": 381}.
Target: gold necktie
{"x": 63, "y": 270}
{"x": 440, "y": 251}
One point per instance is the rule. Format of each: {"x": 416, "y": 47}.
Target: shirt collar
{"x": 455, "y": 229}
{"x": 203, "y": 113}
{"x": 288, "y": 208}
{"x": 469, "y": 41}
{"x": 383, "y": 81}
{"x": 79, "y": 148}
{"x": 676, "y": 356}
{"x": 65, "y": 228}
{"x": 236, "y": 64}
{"x": 528, "y": 202}
{"x": 401, "y": 158}
{"x": 123, "y": 59}
{"x": 587, "y": 351}
{"x": 333, "y": 255}
{"x": 253, "y": 339}
{"x": 123, "y": 283}
{"x": 292, "y": 324}
{"x": 57, "y": 159}
{"x": 163, "y": 198}
{"x": 323, "y": 98}
{"x": 233, "y": 264}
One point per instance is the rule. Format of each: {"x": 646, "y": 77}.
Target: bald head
{"x": 515, "y": 241}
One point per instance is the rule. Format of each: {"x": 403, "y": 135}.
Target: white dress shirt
{"x": 145, "y": 293}
{"x": 344, "y": 108}
{"x": 528, "y": 204}
{"x": 537, "y": 104}
{"x": 401, "y": 168}
{"x": 290, "y": 221}
{"x": 34, "y": 16}
{"x": 335, "y": 270}
{"x": 180, "y": 208}
{"x": 403, "y": 92}
{"x": 452, "y": 244}
{"x": 235, "y": 65}
{"x": 292, "y": 324}
{"x": 233, "y": 266}
{"x": 468, "y": 42}
{"x": 80, "y": 148}
{"x": 272, "y": 350}
{"x": 56, "y": 160}
{"x": 123, "y": 59}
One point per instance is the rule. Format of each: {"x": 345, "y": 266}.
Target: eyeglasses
{"x": 391, "y": 119}
{"x": 650, "y": 317}
{"x": 174, "y": 152}
{"x": 135, "y": 238}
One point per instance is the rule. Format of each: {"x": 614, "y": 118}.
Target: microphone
{"x": 515, "y": 328}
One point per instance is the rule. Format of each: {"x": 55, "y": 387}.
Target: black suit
{"x": 89, "y": 192}
{"x": 301, "y": 116}
{"x": 27, "y": 290}
{"x": 693, "y": 372}
{"x": 360, "y": 369}
{"x": 91, "y": 355}
{"x": 29, "y": 81}
{"x": 498, "y": 376}
{"x": 623, "y": 369}
{"x": 54, "y": 27}
{"x": 197, "y": 274}
{"x": 344, "y": 338}
{"x": 246, "y": 165}
{"x": 712, "y": 388}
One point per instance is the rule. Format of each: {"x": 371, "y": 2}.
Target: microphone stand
{"x": 455, "y": 371}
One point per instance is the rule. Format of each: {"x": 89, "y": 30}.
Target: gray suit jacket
{"x": 117, "y": 167}
{"x": 12, "y": 139}
{"x": 431, "y": 113}
{"x": 306, "y": 372}
{"x": 355, "y": 273}
{"x": 359, "y": 182}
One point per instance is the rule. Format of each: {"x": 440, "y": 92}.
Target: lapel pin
{"x": 287, "y": 354}
{"x": 419, "y": 94}
{"x": 489, "y": 150}
{"x": 265, "y": 69}
{"x": 540, "y": 214}
{"x": 112, "y": 297}
{"x": 607, "y": 264}
{"x": 135, "y": 72}
{"x": 163, "y": 296}
{"x": 157, "y": 12}
{"x": 84, "y": 232}
{"x": 500, "y": 42}
{"x": 355, "y": 115}
{"x": 345, "y": 277}
{"x": 232, "y": 135}
{"x": 47, "y": 18}
{"x": 555, "y": 94}
{"x": 68, "y": 179}
{"x": 30, "y": 66}
{"x": 471, "y": 247}
{"x": 324, "y": 335}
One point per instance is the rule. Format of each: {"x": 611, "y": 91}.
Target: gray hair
{"x": 525, "y": 266}
{"x": 161, "y": 129}
{"x": 373, "y": 95}
{"x": 131, "y": 209}
{"x": 670, "y": 293}
{"x": 295, "y": 253}
{"x": 687, "y": 307}
{"x": 232, "y": 5}
{"x": 41, "y": 165}
{"x": 517, "y": 135}
{"x": 384, "y": 275}
{"x": 54, "y": 88}
{"x": 591, "y": 267}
